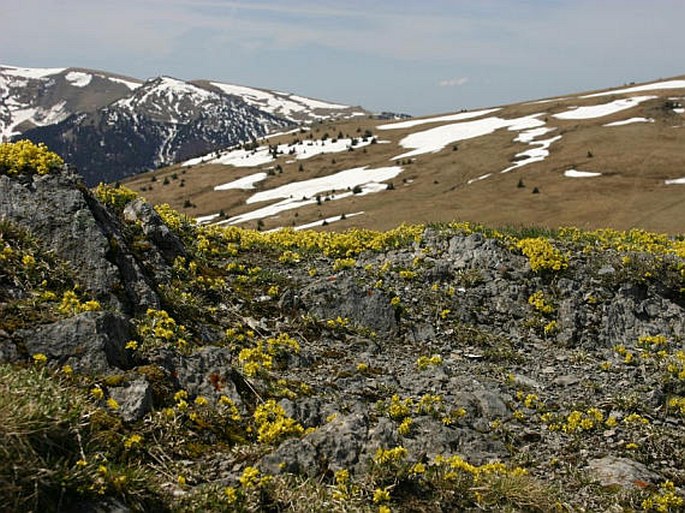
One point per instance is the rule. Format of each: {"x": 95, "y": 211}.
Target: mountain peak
{"x": 111, "y": 126}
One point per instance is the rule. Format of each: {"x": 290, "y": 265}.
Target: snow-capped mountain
{"x": 286, "y": 105}
{"x": 162, "y": 121}
{"x": 32, "y": 97}
{"x": 110, "y": 126}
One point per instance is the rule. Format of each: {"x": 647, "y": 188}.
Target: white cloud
{"x": 453, "y": 82}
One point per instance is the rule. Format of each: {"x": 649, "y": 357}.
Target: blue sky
{"x": 419, "y": 57}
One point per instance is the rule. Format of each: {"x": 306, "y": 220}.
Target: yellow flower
{"x": 132, "y": 345}
{"x": 201, "y": 401}
{"x": 418, "y": 468}
{"x": 40, "y": 359}
{"x": 67, "y": 370}
{"x": 112, "y": 403}
{"x": 181, "y": 481}
{"x": 381, "y": 495}
{"x": 249, "y": 477}
{"x": 231, "y": 494}
{"x": 97, "y": 393}
{"x": 133, "y": 441}
{"x": 28, "y": 261}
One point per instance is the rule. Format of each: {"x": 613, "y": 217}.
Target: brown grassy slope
{"x": 634, "y": 161}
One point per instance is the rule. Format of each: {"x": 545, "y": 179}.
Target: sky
{"x": 416, "y": 57}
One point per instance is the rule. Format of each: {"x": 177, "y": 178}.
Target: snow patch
{"x": 35, "y": 73}
{"x": 341, "y": 180}
{"x": 574, "y": 173}
{"x": 533, "y": 155}
{"x": 316, "y": 104}
{"x": 274, "y": 102}
{"x": 655, "y": 86}
{"x": 481, "y": 177}
{"x": 527, "y": 136}
{"x": 676, "y": 181}
{"x": 300, "y": 194}
{"x": 436, "y": 139}
{"x": 78, "y": 79}
{"x": 603, "y": 109}
{"x": 328, "y": 220}
{"x": 127, "y": 83}
{"x": 206, "y": 219}
{"x": 245, "y": 183}
{"x": 450, "y": 117}
{"x": 263, "y": 155}
{"x": 630, "y": 121}
{"x": 38, "y": 116}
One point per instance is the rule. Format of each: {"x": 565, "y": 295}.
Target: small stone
{"x": 613, "y": 471}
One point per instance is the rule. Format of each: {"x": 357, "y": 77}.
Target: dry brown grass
{"x": 634, "y": 159}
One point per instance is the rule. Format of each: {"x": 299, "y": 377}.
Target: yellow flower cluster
{"x": 635, "y": 240}
{"x": 273, "y": 424}
{"x": 576, "y": 421}
{"x": 666, "y": 500}
{"x": 116, "y": 197}
{"x": 388, "y": 456}
{"x": 677, "y": 404}
{"x": 456, "y": 465}
{"x": 424, "y": 362}
{"x": 343, "y": 263}
{"x": 538, "y": 301}
{"x": 262, "y": 356}
{"x": 27, "y": 157}
{"x": 542, "y": 255}
{"x": 159, "y": 328}
{"x": 72, "y": 305}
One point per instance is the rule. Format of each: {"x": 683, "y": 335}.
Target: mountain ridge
{"x": 111, "y": 126}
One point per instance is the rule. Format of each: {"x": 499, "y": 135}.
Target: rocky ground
{"x": 440, "y": 368}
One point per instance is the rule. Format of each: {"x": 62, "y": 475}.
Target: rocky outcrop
{"x": 91, "y": 342}
{"x": 451, "y": 345}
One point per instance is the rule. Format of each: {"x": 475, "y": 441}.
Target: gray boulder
{"x": 91, "y": 342}
{"x": 362, "y": 304}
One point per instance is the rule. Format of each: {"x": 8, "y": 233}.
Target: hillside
{"x": 607, "y": 158}
{"x": 152, "y": 364}
{"x": 111, "y": 127}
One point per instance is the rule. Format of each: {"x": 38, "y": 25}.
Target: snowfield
{"x": 676, "y": 181}
{"x": 436, "y": 139}
{"x": 603, "y": 109}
